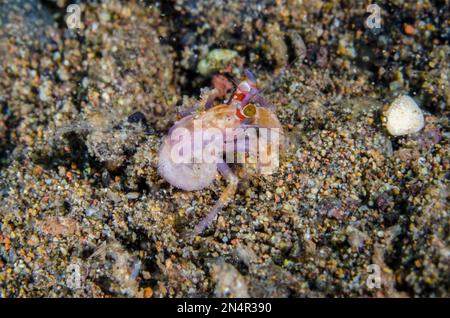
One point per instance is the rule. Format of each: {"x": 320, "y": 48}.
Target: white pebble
{"x": 404, "y": 117}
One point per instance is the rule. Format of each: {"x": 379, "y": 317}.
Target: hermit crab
{"x": 205, "y": 141}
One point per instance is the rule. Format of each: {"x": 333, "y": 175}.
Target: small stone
{"x": 215, "y": 60}
{"x": 62, "y": 171}
{"x": 45, "y": 91}
{"x": 404, "y": 117}
{"x": 38, "y": 170}
{"x": 105, "y": 16}
{"x": 229, "y": 282}
{"x": 146, "y": 275}
{"x": 409, "y": 29}
{"x": 133, "y": 195}
{"x": 148, "y": 292}
{"x": 92, "y": 211}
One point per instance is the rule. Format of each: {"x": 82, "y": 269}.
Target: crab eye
{"x": 249, "y": 110}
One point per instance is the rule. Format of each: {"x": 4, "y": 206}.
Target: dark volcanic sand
{"x": 347, "y": 194}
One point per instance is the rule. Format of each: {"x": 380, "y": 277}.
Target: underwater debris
{"x": 215, "y": 60}
{"x": 108, "y": 136}
{"x": 229, "y": 282}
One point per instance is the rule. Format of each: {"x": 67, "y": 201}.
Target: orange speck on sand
{"x": 69, "y": 175}
{"x": 7, "y": 243}
{"x": 277, "y": 198}
{"x": 234, "y": 242}
{"x": 409, "y": 29}
{"x": 148, "y": 292}
{"x": 359, "y": 33}
{"x": 38, "y": 170}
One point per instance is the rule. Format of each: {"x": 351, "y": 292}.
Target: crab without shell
{"x": 246, "y": 127}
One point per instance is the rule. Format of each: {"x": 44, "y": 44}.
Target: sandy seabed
{"x": 351, "y": 211}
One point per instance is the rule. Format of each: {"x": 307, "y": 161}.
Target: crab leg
{"x": 187, "y": 112}
{"x": 210, "y": 101}
{"x": 225, "y": 197}
{"x": 207, "y": 105}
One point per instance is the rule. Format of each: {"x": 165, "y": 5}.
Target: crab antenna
{"x": 250, "y": 76}
{"x": 278, "y": 76}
